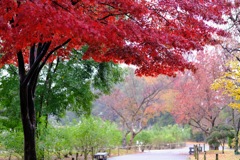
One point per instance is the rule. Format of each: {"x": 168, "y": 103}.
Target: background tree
{"x": 134, "y": 102}
{"x": 196, "y": 103}
{"x": 9, "y": 100}
{"x": 170, "y": 134}
{"x": 157, "y": 135}
{"x": 231, "y": 47}
{"x": 164, "y": 119}
{"x": 118, "y": 31}
{"x": 229, "y": 84}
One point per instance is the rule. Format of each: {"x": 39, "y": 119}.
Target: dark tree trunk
{"x": 27, "y": 110}
{"x": 28, "y": 82}
{"x": 28, "y": 122}
{"x": 213, "y": 147}
{"x": 38, "y": 57}
{"x": 236, "y": 145}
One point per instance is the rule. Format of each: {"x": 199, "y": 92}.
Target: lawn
{"x": 211, "y": 155}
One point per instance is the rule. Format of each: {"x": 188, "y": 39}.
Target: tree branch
{"x": 21, "y": 68}
{"x": 52, "y": 51}
{"x": 32, "y": 55}
{"x": 36, "y": 63}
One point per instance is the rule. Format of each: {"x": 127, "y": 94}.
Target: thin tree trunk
{"x": 131, "y": 139}
{"x": 223, "y": 148}
{"x": 236, "y": 127}
{"x": 85, "y": 153}
{"x": 77, "y": 156}
{"x": 236, "y": 138}
{"x": 124, "y": 140}
{"x": 236, "y": 144}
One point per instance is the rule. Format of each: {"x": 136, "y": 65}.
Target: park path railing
{"x": 141, "y": 148}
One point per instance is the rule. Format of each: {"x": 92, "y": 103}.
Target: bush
{"x": 89, "y": 133}
{"x": 144, "y": 137}
{"x": 167, "y": 134}
{"x": 12, "y": 142}
{"x": 171, "y": 134}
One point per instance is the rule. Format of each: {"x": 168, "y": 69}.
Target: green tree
{"x": 144, "y": 137}
{"x": 63, "y": 85}
{"x": 219, "y": 135}
{"x": 73, "y": 84}
{"x": 10, "y": 117}
{"x": 170, "y": 134}
{"x": 164, "y": 119}
{"x": 58, "y": 140}
{"x": 94, "y": 133}
{"x": 167, "y": 134}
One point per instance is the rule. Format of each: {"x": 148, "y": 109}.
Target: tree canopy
{"x": 152, "y": 35}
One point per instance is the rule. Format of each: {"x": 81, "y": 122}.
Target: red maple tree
{"x": 152, "y": 35}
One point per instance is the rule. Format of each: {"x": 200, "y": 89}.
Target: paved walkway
{"x": 173, "y": 154}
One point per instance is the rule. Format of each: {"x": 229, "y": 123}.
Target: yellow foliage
{"x": 235, "y": 106}
{"x": 229, "y": 83}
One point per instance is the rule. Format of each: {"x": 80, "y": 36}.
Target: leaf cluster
{"x": 9, "y": 99}
{"x": 229, "y": 83}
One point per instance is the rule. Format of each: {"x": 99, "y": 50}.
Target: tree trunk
{"x": 77, "y": 156}
{"x": 131, "y": 139}
{"x": 28, "y": 121}
{"x": 38, "y": 57}
{"x": 124, "y": 139}
{"x": 223, "y": 148}
{"x": 27, "y": 89}
{"x": 213, "y": 147}
{"x": 237, "y": 128}
{"x": 236, "y": 144}
{"x": 85, "y": 153}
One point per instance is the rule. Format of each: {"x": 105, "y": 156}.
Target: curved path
{"x": 173, "y": 154}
